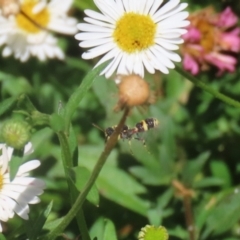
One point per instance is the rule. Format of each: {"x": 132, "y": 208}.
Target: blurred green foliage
{"x": 196, "y": 144}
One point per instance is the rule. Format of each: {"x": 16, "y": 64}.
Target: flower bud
{"x": 15, "y": 133}
{"x": 153, "y": 233}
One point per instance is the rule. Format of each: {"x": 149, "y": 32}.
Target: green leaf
{"x": 80, "y": 92}
{"x": 14, "y": 84}
{"x": 82, "y": 5}
{"x": 176, "y": 86}
{"x": 193, "y": 167}
{"x": 79, "y": 176}
{"x": 97, "y": 229}
{"x": 109, "y": 231}
{"x": 103, "y": 229}
{"x": 114, "y": 183}
{"x": 150, "y": 176}
{"x": 34, "y": 231}
{"x": 16, "y": 161}
{"x": 2, "y": 237}
{"x": 179, "y": 232}
{"x": 220, "y": 170}
{"x": 7, "y": 104}
{"x": 161, "y": 211}
{"x": 50, "y": 225}
{"x": 208, "y": 182}
{"x": 224, "y": 215}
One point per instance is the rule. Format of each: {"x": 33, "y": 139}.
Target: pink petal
{"x": 227, "y": 18}
{"x": 189, "y": 64}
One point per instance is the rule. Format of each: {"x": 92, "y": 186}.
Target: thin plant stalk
{"x": 82, "y": 196}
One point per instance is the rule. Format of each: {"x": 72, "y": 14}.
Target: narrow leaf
{"x": 34, "y": 231}
{"x": 193, "y": 167}
{"x": 80, "y": 92}
{"x": 225, "y": 215}
{"x": 7, "y": 104}
{"x": 110, "y": 231}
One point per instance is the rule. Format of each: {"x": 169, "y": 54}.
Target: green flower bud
{"x": 153, "y": 233}
{"x": 15, "y": 133}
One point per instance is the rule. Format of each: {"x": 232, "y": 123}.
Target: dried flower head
{"x": 132, "y": 90}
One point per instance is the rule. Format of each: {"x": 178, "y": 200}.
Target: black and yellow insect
{"x": 133, "y": 133}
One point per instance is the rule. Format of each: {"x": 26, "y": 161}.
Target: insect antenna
{"x": 99, "y": 128}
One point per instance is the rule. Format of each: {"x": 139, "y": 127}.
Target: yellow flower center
{"x": 208, "y": 33}
{"x": 32, "y": 22}
{"x": 134, "y": 32}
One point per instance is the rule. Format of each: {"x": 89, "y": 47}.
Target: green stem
{"x": 82, "y": 196}
{"x": 66, "y": 153}
{"x": 68, "y": 163}
{"x": 205, "y": 87}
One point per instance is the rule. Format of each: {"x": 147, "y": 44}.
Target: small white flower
{"x": 136, "y": 34}
{"x": 23, "y": 190}
{"x": 23, "y": 37}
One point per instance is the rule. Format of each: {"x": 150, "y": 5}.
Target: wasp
{"x": 132, "y": 133}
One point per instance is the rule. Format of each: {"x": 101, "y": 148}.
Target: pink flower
{"x": 210, "y": 42}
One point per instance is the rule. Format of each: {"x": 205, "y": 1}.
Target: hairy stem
{"x": 189, "y": 217}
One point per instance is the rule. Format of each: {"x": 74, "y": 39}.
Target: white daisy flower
{"x": 136, "y": 34}
{"x": 23, "y": 190}
{"x": 27, "y": 33}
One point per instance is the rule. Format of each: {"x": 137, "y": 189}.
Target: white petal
{"x": 155, "y": 6}
{"x": 169, "y": 54}
{"x": 109, "y": 8}
{"x": 148, "y": 64}
{"x": 64, "y": 26}
{"x": 94, "y": 43}
{"x": 166, "y": 44}
{"x": 90, "y": 36}
{"x": 167, "y": 7}
{"x": 122, "y": 68}
{"x": 97, "y": 51}
{"x": 28, "y": 166}
{"x": 98, "y": 16}
{"x": 59, "y": 6}
{"x": 109, "y": 70}
{"x": 93, "y": 28}
{"x": 179, "y": 8}
{"x": 28, "y": 149}
{"x": 98, "y": 23}
{"x": 148, "y": 6}
{"x": 156, "y": 63}
{"x": 110, "y": 55}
